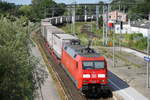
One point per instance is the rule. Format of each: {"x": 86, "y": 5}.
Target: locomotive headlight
{"x": 86, "y": 76}
{"x": 101, "y": 75}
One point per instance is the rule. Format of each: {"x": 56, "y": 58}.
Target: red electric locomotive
{"x": 87, "y": 68}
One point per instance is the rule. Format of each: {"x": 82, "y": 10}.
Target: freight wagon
{"x": 59, "y": 41}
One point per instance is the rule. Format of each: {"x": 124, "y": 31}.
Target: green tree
{"x": 18, "y": 67}
{"x": 59, "y": 9}
{"x": 136, "y": 9}
{"x": 91, "y": 10}
{"x": 25, "y": 10}
{"x": 46, "y": 8}
{"x": 7, "y": 8}
{"x": 141, "y": 10}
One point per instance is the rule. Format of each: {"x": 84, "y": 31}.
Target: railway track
{"x": 70, "y": 90}
{"x": 86, "y": 29}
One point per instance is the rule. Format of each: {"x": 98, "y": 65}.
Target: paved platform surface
{"x": 121, "y": 88}
{"x": 136, "y": 53}
{"x": 48, "y": 90}
{"x": 129, "y": 81}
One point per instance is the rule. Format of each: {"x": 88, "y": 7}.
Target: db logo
{"x": 93, "y": 75}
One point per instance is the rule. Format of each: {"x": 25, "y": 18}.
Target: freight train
{"x": 68, "y": 19}
{"x": 86, "y": 67}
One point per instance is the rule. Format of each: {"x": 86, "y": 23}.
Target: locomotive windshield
{"x": 93, "y": 64}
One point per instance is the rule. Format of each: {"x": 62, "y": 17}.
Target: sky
{"x": 18, "y": 2}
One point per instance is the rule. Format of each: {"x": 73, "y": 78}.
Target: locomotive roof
{"x": 81, "y": 50}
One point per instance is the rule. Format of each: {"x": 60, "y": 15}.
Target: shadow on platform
{"x": 116, "y": 83}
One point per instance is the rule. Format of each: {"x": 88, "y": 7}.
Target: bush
{"x": 18, "y": 66}
{"x": 136, "y": 40}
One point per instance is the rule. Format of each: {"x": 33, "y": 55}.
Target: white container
{"x": 59, "y": 40}
{"x": 51, "y": 30}
{"x": 43, "y": 27}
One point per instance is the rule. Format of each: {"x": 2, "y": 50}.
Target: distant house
{"x": 134, "y": 27}
{"x": 118, "y": 16}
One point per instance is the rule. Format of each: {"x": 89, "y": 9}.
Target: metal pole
{"x": 91, "y": 28}
{"x": 97, "y": 16}
{"x": 120, "y": 37}
{"x": 121, "y": 40}
{"x": 85, "y": 13}
{"x": 53, "y": 12}
{"x": 113, "y": 49}
{"x": 107, "y": 22}
{"x": 45, "y": 12}
{"x": 103, "y": 27}
{"x": 73, "y": 19}
{"x": 148, "y": 44}
{"x": 120, "y": 5}
{"x": 68, "y": 19}
{"x": 74, "y": 14}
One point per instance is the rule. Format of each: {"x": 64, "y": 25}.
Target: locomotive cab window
{"x": 88, "y": 65}
{"x": 93, "y": 64}
{"x": 99, "y": 64}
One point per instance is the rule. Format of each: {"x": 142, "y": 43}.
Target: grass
{"x": 118, "y": 56}
{"x": 78, "y": 26}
